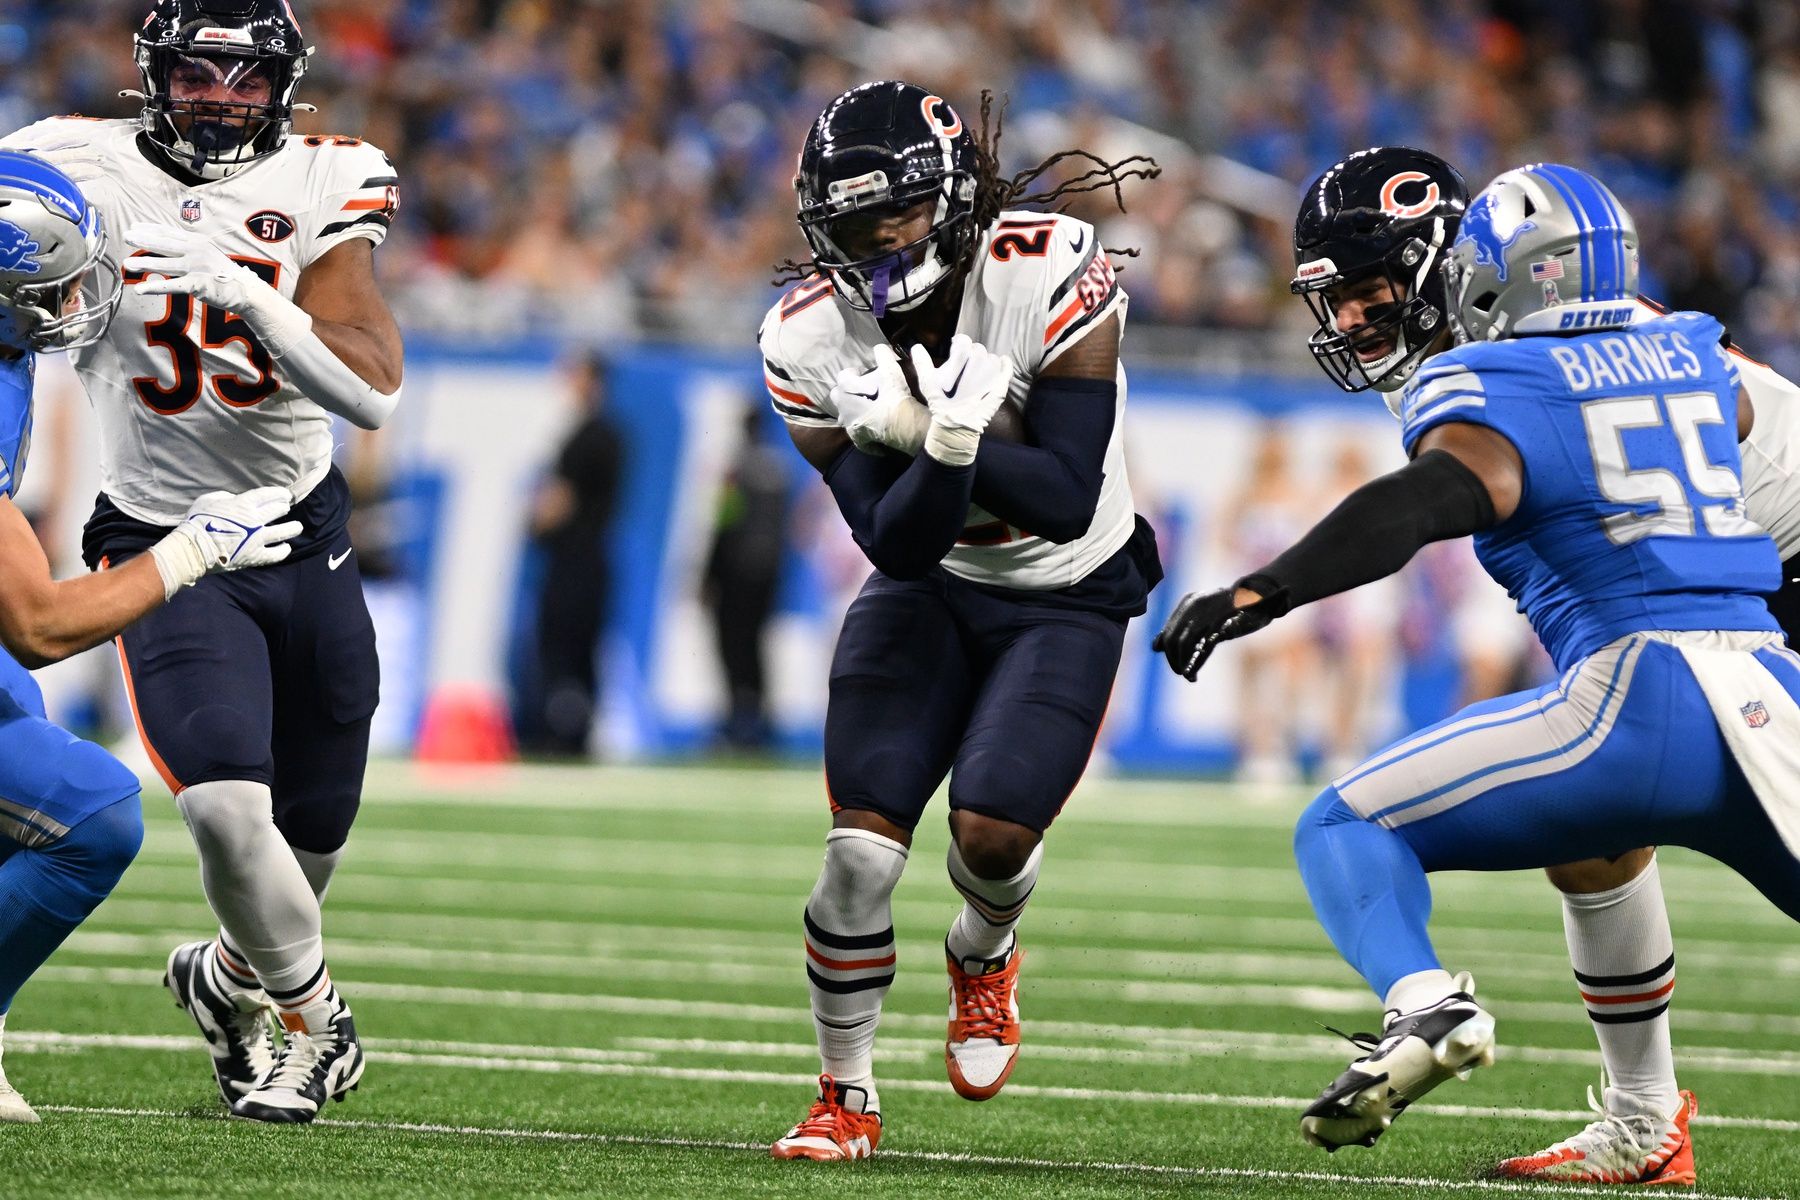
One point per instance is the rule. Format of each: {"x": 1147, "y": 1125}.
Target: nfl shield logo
{"x": 190, "y": 211}
{"x": 1755, "y": 715}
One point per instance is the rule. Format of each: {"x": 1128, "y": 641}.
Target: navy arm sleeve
{"x": 1051, "y": 487}
{"x": 905, "y": 515}
{"x": 1376, "y": 531}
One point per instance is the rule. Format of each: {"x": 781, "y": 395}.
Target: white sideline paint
{"x": 1314, "y": 999}
{"x": 982, "y": 1160}
{"x": 544, "y": 1059}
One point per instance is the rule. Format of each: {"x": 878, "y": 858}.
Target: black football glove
{"x": 1201, "y": 621}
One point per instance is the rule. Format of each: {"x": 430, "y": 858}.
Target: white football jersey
{"x": 1771, "y": 454}
{"x": 186, "y": 401}
{"x": 1039, "y": 283}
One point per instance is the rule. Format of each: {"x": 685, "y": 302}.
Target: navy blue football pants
{"x": 937, "y": 676}
{"x": 267, "y": 675}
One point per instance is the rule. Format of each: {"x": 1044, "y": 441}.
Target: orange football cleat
{"x": 983, "y": 1041}
{"x": 1630, "y": 1143}
{"x": 832, "y": 1131}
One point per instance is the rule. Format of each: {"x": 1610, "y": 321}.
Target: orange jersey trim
{"x": 1068, "y": 314}
{"x": 791, "y": 397}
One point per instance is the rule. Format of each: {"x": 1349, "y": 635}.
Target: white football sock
{"x": 1419, "y": 990}
{"x": 254, "y": 884}
{"x": 1624, "y": 959}
{"x": 850, "y": 951}
{"x": 991, "y": 907}
{"x": 231, "y": 973}
{"x": 319, "y": 868}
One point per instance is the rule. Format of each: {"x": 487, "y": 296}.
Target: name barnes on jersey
{"x": 188, "y": 407}
{"x": 1040, "y": 281}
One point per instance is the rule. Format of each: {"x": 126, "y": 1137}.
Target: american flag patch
{"x": 1549, "y": 269}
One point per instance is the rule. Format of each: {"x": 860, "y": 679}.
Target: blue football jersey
{"x": 1632, "y": 516}
{"x": 15, "y": 419}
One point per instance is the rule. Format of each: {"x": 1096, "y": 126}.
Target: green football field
{"x": 588, "y": 982}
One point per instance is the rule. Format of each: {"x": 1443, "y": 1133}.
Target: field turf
{"x": 588, "y": 982}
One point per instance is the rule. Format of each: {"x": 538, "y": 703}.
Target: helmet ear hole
{"x": 1485, "y": 302}
{"x": 1530, "y": 208}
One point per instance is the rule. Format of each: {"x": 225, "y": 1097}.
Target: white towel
{"x": 1760, "y": 721}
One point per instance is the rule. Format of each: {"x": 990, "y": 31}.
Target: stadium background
{"x": 585, "y": 980}
{"x": 617, "y": 175}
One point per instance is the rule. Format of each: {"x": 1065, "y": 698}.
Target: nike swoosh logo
{"x": 1076, "y": 242}
{"x": 337, "y": 560}
{"x": 950, "y": 392}
{"x": 861, "y": 395}
{"x": 213, "y": 528}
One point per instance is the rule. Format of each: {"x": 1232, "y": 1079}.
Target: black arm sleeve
{"x": 1052, "y": 486}
{"x": 1376, "y": 531}
{"x": 905, "y": 516}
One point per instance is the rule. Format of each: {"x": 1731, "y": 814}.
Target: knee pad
{"x": 226, "y": 816}
{"x": 861, "y": 870}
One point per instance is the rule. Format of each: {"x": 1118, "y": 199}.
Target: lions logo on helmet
{"x": 58, "y": 289}
{"x": 1388, "y": 212}
{"x": 887, "y": 146}
{"x": 218, "y": 80}
{"x": 1532, "y": 237}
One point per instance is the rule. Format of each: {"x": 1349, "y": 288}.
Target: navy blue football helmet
{"x": 1391, "y": 210}
{"x": 248, "y": 48}
{"x": 884, "y": 147}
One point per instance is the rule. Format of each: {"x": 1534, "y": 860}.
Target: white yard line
{"x": 985, "y": 1160}
{"x": 1310, "y": 999}
{"x": 554, "y": 1060}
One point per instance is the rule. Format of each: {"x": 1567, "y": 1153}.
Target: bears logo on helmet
{"x": 1387, "y": 211}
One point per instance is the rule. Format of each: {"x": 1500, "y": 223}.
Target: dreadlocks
{"x": 995, "y": 192}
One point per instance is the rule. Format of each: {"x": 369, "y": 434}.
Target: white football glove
{"x": 184, "y": 262}
{"x": 963, "y": 395}
{"x": 877, "y": 408}
{"x": 224, "y": 531}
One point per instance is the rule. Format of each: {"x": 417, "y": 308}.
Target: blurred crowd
{"x": 620, "y": 168}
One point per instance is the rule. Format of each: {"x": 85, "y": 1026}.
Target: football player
{"x": 1594, "y": 457}
{"x": 69, "y": 820}
{"x": 985, "y": 641}
{"x": 250, "y": 317}
{"x": 1368, "y": 243}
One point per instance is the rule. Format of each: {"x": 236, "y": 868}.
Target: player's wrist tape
{"x": 1376, "y": 531}
{"x": 286, "y": 331}
{"x": 907, "y": 425}
{"x": 180, "y": 559}
{"x": 952, "y": 445}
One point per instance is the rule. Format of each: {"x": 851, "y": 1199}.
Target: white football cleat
{"x": 12, "y": 1105}
{"x": 235, "y": 1026}
{"x": 1632, "y": 1142}
{"x": 311, "y": 1069}
{"x": 1415, "y": 1052}
{"x": 982, "y": 1042}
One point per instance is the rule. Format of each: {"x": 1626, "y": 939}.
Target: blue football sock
{"x": 1368, "y": 889}
{"x": 45, "y": 892}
